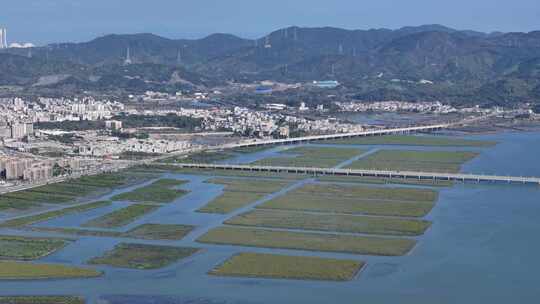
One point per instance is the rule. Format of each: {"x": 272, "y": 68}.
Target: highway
{"x": 461, "y": 177}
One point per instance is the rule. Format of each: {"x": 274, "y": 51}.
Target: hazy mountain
{"x": 378, "y": 63}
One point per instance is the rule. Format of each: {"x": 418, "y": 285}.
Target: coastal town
{"x": 45, "y": 138}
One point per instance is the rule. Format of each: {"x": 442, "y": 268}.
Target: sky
{"x": 46, "y": 21}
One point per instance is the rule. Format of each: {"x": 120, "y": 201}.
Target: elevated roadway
{"x": 461, "y": 177}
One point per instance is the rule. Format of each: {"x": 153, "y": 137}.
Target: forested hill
{"x": 411, "y": 63}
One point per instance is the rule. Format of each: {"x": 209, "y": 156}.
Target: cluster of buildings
{"x": 13, "y": 110}
{"x": 396, "y": 106}
{"x": 328, "y": 126}
{"x": 253, "y": 123}
{"x": 94, "y": 145}
{"x": 427, "y": 107}
{"x": 249, "y": 122}
{"x": 153, "y": 96}
{"x": 15, "y": 130}
{"x": 17, "y": 168}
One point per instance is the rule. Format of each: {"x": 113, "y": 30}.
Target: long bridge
{"x": 460, "y": 177}
{"x": 376, "y": 132}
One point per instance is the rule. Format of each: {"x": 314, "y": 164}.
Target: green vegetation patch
{"x": 239, "y": 193}
{"x": 77, "y": 232}
{"x": 140, "y": 256}
{"x": 356, "y": 200}
{"x": 65, "y": 192}
{"x": 320, "y": 157}
{"x": 108, "y": 180}
{"x": 288, "y": 267}
{"x": 145, "y": 232}
{"x": 308, "y": 241}
{"x": 161, "y": 191}
{"x": 160, "y": 232}
{"x": 36, "y": 198}
{"x": 375, "y": 193}
{"x": 427, "y": 161}
{"x": 148, "y": 121}
{"x": 27, "y": 248}
{"x": 200, "y": 157}
{"x": 10, "y": 270}
{"x": 348, "y": 206}
{"x": 330, "y": 222}
{"x": 121, "y": 217}
{"x": 408, "y": 140}
{"x": 28, "y": 220}
{"x": 41, "y": 300}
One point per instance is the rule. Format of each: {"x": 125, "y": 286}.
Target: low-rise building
{"x": 113, "y": 125}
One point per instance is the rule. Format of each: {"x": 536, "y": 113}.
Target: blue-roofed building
{"x": 326, "y": 84}
{"x": 264, "y": 90}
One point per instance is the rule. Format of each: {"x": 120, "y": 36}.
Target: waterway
{"x": 481, "y": 248}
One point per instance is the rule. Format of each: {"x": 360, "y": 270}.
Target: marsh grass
{"x": 411, "y": 140}
{"x": 162, "y": 192}
{"x": 28, "y": 248}
{"x": 139, "y": 256}
{"x": 28, "y": 220}
{"x": 41, "y": 300}
{"x": 66, "y": 192}
{"x": 425, "y": 161}
{"x": 121, "y": 217}
{"x": 288, "y": 267}
{"x": 330, "y": 223}
{"x": 321, "y": 157}
{"x": 10, "y": 270}
{"x": 239, "y": 193}
{"x": 356, "y": 200}
{"x": 253, "y": 237}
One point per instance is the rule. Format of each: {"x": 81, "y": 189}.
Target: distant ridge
{"x": 462, "y": 65}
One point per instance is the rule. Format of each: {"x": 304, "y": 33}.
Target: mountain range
{"x": 429, "y": 62}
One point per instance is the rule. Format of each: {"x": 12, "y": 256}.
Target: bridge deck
{"x": 370, "y": 173}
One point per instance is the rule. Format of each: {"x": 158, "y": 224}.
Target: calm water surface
{"x": 481, "y": 248}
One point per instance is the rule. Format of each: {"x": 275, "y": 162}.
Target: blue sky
{"x": 43, "y": 21}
